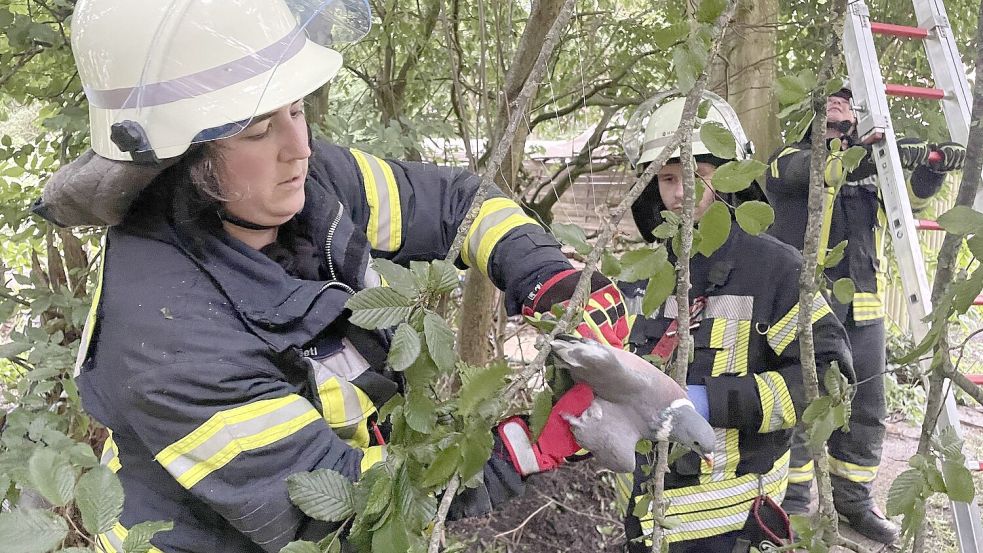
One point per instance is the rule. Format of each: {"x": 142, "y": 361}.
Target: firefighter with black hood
{"x": 745, "y": 376}
{"x": 218, "y": 349}
{"x": 853, "y": 215}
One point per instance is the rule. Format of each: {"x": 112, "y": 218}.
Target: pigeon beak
{"x": 708, "y": 457}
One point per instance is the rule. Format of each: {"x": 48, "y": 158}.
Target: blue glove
{"x": 698, "y": 395}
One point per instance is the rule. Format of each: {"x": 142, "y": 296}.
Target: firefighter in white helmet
{"x": 218, "y": 349}
{"x": 745, "y": 375}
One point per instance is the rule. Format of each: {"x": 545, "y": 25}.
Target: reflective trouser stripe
{"x": 112, "y": 541}
{"x": 496, "y": 217}
{"x": 385, "y": 226}
{"x": 228, "y": 433}
{"x": 784, "y": 332}
{"x": 852, "y": 472}
{"x": 799, "y": 475}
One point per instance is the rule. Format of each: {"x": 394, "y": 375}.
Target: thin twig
{"x": 527, "y": 519}
{"x": 437, "y": 535}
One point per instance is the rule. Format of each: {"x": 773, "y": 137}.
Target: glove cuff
{"x": 525, "y": 455}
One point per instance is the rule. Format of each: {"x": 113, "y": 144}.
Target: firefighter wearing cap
{"x": 853, "y": 215}
{"x": 745, "y": 375}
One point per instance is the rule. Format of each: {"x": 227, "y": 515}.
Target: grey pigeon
{"x": 633, "y": 400}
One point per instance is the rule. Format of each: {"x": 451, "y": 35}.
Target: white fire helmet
{"x": 161, "y": 75}
{"x": 652, "y": 125}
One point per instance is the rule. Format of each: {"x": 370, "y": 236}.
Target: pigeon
{"x": 633, "y": 400}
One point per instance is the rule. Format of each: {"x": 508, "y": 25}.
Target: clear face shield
{"x": 210, "y": 67}
{"x": 644, "y": 137}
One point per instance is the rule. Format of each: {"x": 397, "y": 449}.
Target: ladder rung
{"x": 925, "y": 224}
{"x": 914, "y": 91}
{"x": 902, "y": 31}
{"x": 975, "y": 378}
{"x": 979, "y": 301}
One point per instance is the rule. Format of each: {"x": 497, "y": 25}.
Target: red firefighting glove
{"x": 604, "y": 319}
{"x": 556, "y": 441}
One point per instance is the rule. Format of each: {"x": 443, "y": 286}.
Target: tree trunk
{"x": 479, "y": 310}
{"x": 744, "y": 73}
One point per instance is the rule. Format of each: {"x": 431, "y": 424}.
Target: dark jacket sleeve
{"x": 412, "y": 211}
{"x": 773, "y": 399}
{"x": 788, "y": 170}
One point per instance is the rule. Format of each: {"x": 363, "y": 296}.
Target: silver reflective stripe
{"x": 202, "y": 82}
{"x": 518, "y": 443}
{"x": 487, "y": 223}
{"x": 702, "y": 495}
{"x": 383, "y": 233}
{"x": 729, "y": 307}
{"x": 777, "y": 410}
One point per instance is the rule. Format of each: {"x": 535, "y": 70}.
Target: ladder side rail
{"x": 874, "y": 117}
{"x": 947, "y": 67}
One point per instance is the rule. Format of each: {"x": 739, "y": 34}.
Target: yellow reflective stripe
{"x": 829, "y": 194}
{"x": 726, "y": 456}
{"x": 112, "y": 541}
{"x": 852, "y": 472}
{"x": 799, "y": 475}
{"x": 225, "y": 434}
{"x": 496, "y": 217}
{"x": 726, "y": 335}
{"x": 384, "y": 230}
{"x": 110, "y": 454}
{"x": 784, "y": 332}
{"x": 778, "y": 412}
{"x": 867, "y": 306}
{"x": 774, "y": 164}
{"x": 371, "y": 456}
{"x": 90, "y": 318}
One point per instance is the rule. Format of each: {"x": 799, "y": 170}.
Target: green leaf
{"x": 484, "y": 384}
{"x": 440, "y": 342}
{"x": 975, "y": 245}
{"x": 793, "y": 89}
{"x": 391, "y": 537}
{"x": 852, "y": 157}
{"x": 572, "y": 235}
{"x": 966, "y": 291}
{"x": 905, "y": 492}
{"x": 475, "y": 452}
{"x": 31, "y": 531}
{"x": 714, "y": 228}
{"x": 735, "y": 176}
{"x": 52, "y": 476}
{"x": 405, "y": 348}
{"x": 420, "y": 411}
{"x": 665, "y": 37}
{"x": 99, "y": 496}
{"x": 958, "y": 482}
{"x": 610, "y": 265}
{"x": 443, "y": 277}
{"x": 138, "y": 538}
{"x": 379, "y": 498}
{"x": 718, "y": 139}
{"x": 14, "y": 349}
{"x": 442, "y": 467}
{"x": 301, "y": 547}
{"x": 710, "y": 10}
{"x": 843, "y": 290}
{"x": 642, "y": 264}
{"x": 541, "y": 407}
{"x": 379, "y": 308}
{"x": 835, "y": 254}
{"x": 659, "y": 288}
{"x": 687, "y": 64}
{"x": 322, "y": 494}
{"x": 755, "y": 217}
{"x": 962, "y": 220}
{"x": 399, "y": 278}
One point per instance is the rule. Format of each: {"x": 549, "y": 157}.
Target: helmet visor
{"x": 211, "y": 67}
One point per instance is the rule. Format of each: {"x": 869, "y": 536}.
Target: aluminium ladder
{"x": 873, "y": 118}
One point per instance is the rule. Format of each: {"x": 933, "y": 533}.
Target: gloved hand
{"x": 913, "y": 152}
{"x": 953, "y": 157}
{"x": 698, "y": 395}
{"x": 605, "y": 313}
{"x": 556, "y": 442}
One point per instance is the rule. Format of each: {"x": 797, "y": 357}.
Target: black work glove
{"x": 913, "y": 152}
{"x": 953, "y": 157}
{"x": 501, "y": 482}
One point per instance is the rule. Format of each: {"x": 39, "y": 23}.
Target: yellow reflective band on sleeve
{"x": 371, "y": 456}
{"x": 829, "y": 194}
{"x": 801, "y": 475}
{"x": 225, "y": 434}
{"x": 731, "y": 337}
{"x": 852, "y": 472}
{"x": 382, "y": 194}
{"x": 110, "y": 454}
{"x": 90, "y": 318}
{"x": 112, "y": 541}
{"x": 777, "y": 410}
{"x": 784, "y": 332}
{"x": 496, "y": 217}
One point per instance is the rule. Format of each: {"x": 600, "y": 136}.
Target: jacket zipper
{"x": 335, "y": 283}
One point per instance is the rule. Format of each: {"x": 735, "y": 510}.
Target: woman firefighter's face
{"x": 263, "y": 168}
{"x": 671, "y": 187}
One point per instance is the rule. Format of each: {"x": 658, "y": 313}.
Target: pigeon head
{"x": 683, "y": 425}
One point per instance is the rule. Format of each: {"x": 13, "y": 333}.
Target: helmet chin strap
{"x": 843, "y": 127}
{"x": 233, "y": 220}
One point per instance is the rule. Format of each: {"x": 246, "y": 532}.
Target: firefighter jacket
{"x": 854, "y": 215}
{"x": 220, "y": 374}
{"x": 746, "y": 353}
